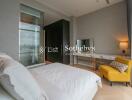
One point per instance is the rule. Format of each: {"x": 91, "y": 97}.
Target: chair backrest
{"x": 125, "y": 61}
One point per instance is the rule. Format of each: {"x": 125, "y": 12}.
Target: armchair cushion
{"x": 112, "y": 74}
{"x": 119, "y": 66}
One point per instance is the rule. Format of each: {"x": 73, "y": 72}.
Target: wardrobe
{"x": 57, "y": 39}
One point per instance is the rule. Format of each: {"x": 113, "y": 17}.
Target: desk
{"x": 93, "y": 57}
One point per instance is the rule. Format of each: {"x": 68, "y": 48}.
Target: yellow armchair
{"x": 113, "y": 75}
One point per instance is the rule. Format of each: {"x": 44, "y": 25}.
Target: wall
{"x": 50, "y": 15}
{"x": 107, "y": 26}
{"x": 129, "y": 10}
{"x": 129, "y": 7}
{"x": 73, "y": 32}
{"x": 9, "y": 23}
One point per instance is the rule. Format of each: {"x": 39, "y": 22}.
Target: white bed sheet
{"x": 4, "y": 95}
{"x": 63, "y": 82}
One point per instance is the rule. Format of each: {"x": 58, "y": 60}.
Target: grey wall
{"x": 107, "y": 26}
{"x": 73, "y": 31}
{"x": 9, "y": 23}
{"x": 50, "y": 15}
{"x": 129, "y": 8}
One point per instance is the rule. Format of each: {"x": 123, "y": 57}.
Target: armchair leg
{"x": 111, "y": 83}
{"x": 130, "y": 84}
{"x": 127, "y": 84}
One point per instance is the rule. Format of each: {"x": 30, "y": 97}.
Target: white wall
{"x": 9, "y": 24}
{"x": 107, "y": 26}
{"x": 50, "y": 15}
{"x": 73, "y": 32}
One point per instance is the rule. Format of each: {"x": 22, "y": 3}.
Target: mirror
{"x": 85, "y": 45}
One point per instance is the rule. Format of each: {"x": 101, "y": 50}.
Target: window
{"x": 31, "y": 36}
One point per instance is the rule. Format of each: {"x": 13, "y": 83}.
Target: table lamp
{"x": 123, "y": 46}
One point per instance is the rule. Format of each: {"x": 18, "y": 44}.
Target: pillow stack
{"x": 119, "y": 66}
{"x": 18, "y": 81}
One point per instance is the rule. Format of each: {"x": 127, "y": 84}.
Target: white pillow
{"x": 5, "y": 55}
{"x": 4, "y": 95}
{"x": 1, "y": 63}
{"x": 18, "y": 81}
{"x": 7, "y": 85}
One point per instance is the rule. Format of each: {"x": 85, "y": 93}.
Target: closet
{"x": 57, "y": 38}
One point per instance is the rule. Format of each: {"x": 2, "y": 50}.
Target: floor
{"x": 116, "y": 92}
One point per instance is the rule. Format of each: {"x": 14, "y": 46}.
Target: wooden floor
{"x": 116, "y": 92}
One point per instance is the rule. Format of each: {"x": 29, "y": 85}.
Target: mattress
{"x": 63, "y": 82}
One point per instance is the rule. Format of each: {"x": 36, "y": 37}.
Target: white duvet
{"x": 4, "y": 95}
{"x": 63, "y": 82}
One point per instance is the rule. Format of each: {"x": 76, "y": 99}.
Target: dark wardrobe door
{"x": 53, "y": 42}
{"x": 66, "y": 41}
{"x": 57, "y": 36}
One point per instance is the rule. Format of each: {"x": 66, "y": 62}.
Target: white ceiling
{"x": 77, "y": 8}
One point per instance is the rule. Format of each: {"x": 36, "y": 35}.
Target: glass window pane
{"x": 30, "y": 33}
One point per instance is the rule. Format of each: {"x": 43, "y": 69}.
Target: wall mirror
{"x": 85, "y": 45}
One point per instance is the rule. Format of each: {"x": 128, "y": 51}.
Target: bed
{"x": 63, "y": 82}
{"x": 4, "y": 95}
{"x": 48, "y": 82}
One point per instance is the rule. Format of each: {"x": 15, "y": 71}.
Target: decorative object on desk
{"x": 123, "y": 46}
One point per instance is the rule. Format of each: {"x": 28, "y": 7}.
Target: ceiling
{"x": 77, "y": 8}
